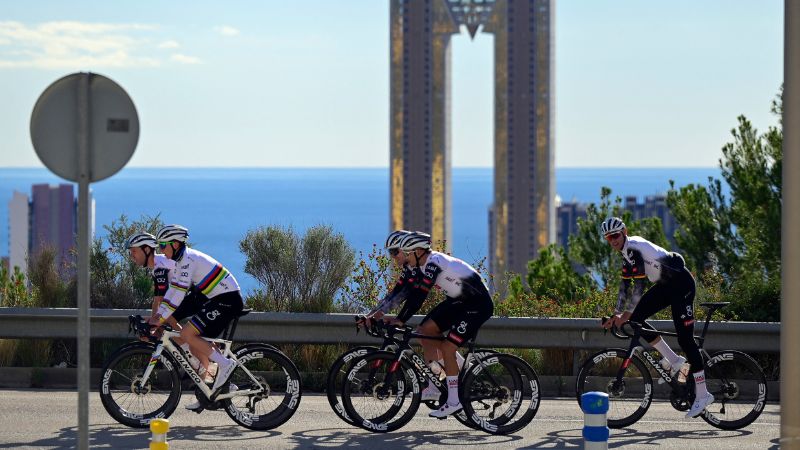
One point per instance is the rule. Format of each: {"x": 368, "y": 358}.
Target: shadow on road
{"x": 630, "y": 436}
{"x": 112, "y": 436}
{"x": 337, "y": 437}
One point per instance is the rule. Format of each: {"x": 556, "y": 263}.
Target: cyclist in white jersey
{"x": 407, "y": 277}
{"x": 141, "y": 248}
{"x": 467, "y": 306}
{"x": 194, "y": 269}
{"x": 674, "y": 287}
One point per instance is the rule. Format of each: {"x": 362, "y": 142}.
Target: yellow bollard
{"x": 159, "y": 428}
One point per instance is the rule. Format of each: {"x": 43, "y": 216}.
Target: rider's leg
{"x": 199, "y": 347}
{"x": 449, "y": 350}
{"x": 430, "y": 346}
{"x": 683, "y": 318}
{"x": 654, "y": 300}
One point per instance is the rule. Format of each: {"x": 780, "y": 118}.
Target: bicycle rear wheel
{"x": 739, "y": 388}
{"x": 337, "y": 375}
{"x": 628, "y": 399}
{"x": 381, "y": 394}
{"x": 277, "y": 382}
{"x": 500, "y": 394}
{"x": 127, "y": 397}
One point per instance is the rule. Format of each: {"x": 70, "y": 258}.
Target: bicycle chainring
{"x": 679, "y": 403}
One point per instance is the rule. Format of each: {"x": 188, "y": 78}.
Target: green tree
{"x": 13, "y": 289}
{"x": 551, "y": 275}
{"x": 116, "y": 281}
{"x": 588, "y": 248}
{"x": 297, "y": 274}
{"x": 739, "y": 236}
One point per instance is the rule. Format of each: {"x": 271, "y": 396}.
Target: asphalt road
{"x": 48, "y": 419}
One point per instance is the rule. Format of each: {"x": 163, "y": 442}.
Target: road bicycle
{"x": 141, "y": 381}
{"x": 500, "y": 393}
{"x": 341, "y": 365}
{"x": 734, "y": 378}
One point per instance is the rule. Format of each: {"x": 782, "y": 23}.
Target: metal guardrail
{"x": 305, "y": 328}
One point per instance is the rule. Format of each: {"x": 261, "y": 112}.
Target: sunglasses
{"x": 163, "y": 245}
{"x": 394, "y": 251}
{"x": 613, "y": 236}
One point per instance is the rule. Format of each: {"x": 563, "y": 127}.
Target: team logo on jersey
{"x": 462, "y": 327}
{"x": 213, "y": 314}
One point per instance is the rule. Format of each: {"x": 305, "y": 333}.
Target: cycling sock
{"x": 452, "y": 390}
{"x": 459, "y": 361}
{"x": 700, "y": 389}
{"x": 665, "y": 351}
{"x": 218, "y": 358}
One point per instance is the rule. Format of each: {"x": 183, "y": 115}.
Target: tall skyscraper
{"x": 522, "y": 214}
{"x": 48, "y": 219}
{"x": 18, "y": 231}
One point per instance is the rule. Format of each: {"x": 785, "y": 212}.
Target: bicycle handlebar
{"x": 618, "y": 332}
{"x": 379, "y": 328}
{"x": 139, "y": 326}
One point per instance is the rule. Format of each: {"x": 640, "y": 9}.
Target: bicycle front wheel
{"x": 629, "y": 398}
{"x": 381, "y": 394}
{"x": 739, "y": 388}
{"x": 274, "y": 385}
{"x": 500, "y": 394}
{"x": 128, "y": 397}
{"x": 336, "y": 377}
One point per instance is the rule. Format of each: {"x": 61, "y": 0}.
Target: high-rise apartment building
{"x": 521, "y": 215}
{"x": 48, "y": 219}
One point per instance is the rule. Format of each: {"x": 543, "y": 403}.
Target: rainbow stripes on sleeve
{"x": 210, "y": 281}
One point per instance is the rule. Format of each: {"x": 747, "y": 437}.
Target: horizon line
{"x": 368, "y": 167}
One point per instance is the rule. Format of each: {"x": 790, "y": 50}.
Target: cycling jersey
{"x": 396, "y": 296}
{"x": 161, "y": 269}
{"x": 659, "y": 264}
{"x": 198, "y": 270}
{"x": 633, "y": 279}
{"x": 453, "y": 276}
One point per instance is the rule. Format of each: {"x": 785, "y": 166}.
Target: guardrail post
{"x": 159, "y": 428}
{"x": 595, "y": 426}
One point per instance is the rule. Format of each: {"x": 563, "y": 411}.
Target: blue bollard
{"x": 595, "y": 426}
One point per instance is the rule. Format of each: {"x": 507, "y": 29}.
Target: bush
{"x": 296, "y": 274}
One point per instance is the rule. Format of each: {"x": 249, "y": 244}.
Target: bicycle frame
{"x": 177, "y": 353}
{"x": 636, "y": 343}
{"x": 405, "y": 350}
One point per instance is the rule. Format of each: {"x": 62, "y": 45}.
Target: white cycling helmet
{"x": 394, "y": 239}
{"x": 141, "y": 239}
{"x": 171, "y": 233}
{"x": 612, "y": 225}
{"x": 415, "y": 240}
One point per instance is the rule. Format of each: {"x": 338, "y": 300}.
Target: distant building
{"x": 48, "y": 219}
{"x": 567, "y": 215}
{"x": 18, "y": 231}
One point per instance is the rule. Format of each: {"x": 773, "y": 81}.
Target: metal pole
{"x": 83, "y": 260}
{"x": 790, "y": 243}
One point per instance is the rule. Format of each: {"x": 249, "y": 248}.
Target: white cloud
{"x": 76, "y": 45}
{"x": 169, "y": 44}
{"x": 227, "y": 30}
{"x": 185, "y": 59}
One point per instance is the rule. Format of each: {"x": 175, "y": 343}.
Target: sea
{"x": 219, "y": 205}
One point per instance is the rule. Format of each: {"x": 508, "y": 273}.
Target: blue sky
{"x": 305, "y": 83}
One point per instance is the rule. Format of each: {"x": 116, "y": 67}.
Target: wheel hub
{"x": 137, "y": 388}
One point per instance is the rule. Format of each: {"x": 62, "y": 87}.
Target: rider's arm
{"x": 622, "y": 295}
{"x": 394, "y": 297}
{"x": 639, "y": 284}
{"x": 416, "y": 295}
{"x": 160, "y": 283}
